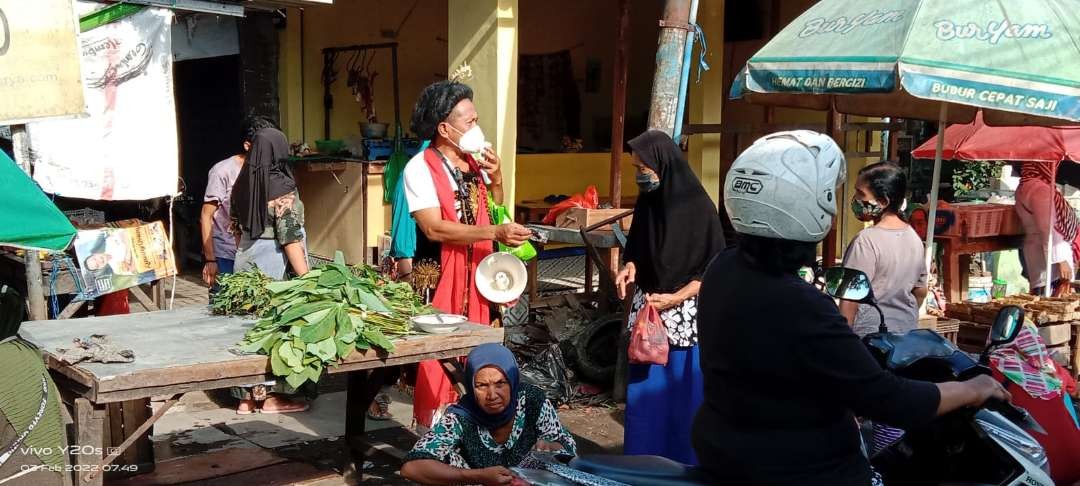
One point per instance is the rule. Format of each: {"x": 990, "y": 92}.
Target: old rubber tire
{"x": 597, "y": 349}
{"x": 518, "y": 315}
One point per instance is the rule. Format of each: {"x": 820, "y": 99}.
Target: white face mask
{"x": 472, "y": 140}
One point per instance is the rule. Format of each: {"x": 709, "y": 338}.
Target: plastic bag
{"x": 547, "y": 371}
{"x": 500, "y": 215}
{"x": 648, "y": 339}
{"x": 589, "y": 200}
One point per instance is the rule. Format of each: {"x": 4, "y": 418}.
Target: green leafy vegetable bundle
{"x": 318, "y": 319}
{"x": 242, "y": 293}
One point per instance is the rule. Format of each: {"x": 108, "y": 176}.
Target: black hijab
{"x": 266, "y": 176}
{"x": 676, "y": 229}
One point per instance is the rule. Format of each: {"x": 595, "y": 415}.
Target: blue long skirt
{"x": 661, "y": 402}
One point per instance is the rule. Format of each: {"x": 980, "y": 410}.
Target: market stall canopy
{"x": 903, "y": 58}
{"x": 977, "y": 141}
{"x": 28, "y": 219}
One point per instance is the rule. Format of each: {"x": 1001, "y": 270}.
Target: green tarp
{"x": 28, "y": 218}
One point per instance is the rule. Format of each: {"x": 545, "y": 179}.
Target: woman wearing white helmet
{"x": 784, "y": 373}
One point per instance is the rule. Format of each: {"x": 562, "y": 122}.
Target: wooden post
{"x": 618, "y": 102}
{"x": 35, "y": 292}
{"x": 834, "y": 123}
{"x": 89, "y": 439}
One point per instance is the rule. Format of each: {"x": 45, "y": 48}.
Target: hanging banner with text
{"x": 39, "y": 61}
{"x": 127, "y": 147}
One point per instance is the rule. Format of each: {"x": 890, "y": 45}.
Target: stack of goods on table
{"x": 315, "y": 321}
{"x": 1058, "y": 319}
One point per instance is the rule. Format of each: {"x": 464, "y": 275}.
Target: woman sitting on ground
{"x": 491, "y": 428}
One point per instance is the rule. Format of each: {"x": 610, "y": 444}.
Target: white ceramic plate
{"x": 438, "y": 323}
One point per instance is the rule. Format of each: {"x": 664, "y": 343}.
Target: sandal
{"x": 247, "y": 407}
{"x": 284, "y": 405}
{"x": 380, "y": 408}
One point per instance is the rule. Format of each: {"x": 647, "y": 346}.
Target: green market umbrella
{"x": 28, "y": 219}
{"x": 1018, "y": 60}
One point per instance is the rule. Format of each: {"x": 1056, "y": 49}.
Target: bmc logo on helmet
{"x": 746, "y": 186}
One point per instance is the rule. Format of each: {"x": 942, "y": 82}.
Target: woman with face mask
{"x": 889, "y": 252}
{"x": 675, "y": 233}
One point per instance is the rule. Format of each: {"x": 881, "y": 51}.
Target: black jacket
{"x": 784, "y": 378}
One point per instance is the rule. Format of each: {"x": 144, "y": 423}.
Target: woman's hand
{"x": 663, "y": 302}
{"x": 544, "y": 446}
{"x": 490, "y": 476}
{"x": 625, "y": 277}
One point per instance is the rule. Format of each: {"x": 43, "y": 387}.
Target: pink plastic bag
{"x": 648, "y": 339}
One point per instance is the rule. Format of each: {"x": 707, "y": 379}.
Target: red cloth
{"x": 1063, "y": 439}
{"x": 456, "y": 288}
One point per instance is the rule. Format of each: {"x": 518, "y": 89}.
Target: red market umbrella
{"x": 978, "y": 141}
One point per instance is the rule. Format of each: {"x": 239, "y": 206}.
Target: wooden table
{"x": 187, "y": 350}
{"x": 604, "y": 241}
{"x": 956, "y": 258}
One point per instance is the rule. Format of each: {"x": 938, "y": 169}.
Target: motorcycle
{"x": 988, "y": 445}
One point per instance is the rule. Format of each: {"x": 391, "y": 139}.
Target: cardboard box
{"x": 1056, "y": 334}
{"x": 578, "y": 218}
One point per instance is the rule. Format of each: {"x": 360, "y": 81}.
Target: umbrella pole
{"x": 1050, "y": 239}
{"x": 931, "y": 220}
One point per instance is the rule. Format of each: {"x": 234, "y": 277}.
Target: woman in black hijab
{"x": 675, "y": 233}
{"x": 269, "y": 216}
{"x": 267, "y": 209}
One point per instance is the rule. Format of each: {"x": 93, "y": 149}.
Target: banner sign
{"x": 39, "y": 61}
{"x": 114, "y": 259}
{"x": 127, "y": 148}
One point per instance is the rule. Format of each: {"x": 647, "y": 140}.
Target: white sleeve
{"x": 419, "y": 186}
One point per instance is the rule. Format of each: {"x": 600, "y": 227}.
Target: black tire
{"x": 597, "y": 349}
{"x": 518, "y": 315}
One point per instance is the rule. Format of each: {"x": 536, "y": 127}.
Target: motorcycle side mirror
{"x": 852, "y": 285}
{"x": 848, "y": 284}
{"x": 1007, "y": 325}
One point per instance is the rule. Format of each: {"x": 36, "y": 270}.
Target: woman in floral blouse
{"x": 490, "y": 429}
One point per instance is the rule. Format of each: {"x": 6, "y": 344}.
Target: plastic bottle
{"x": 1000, "y": 289}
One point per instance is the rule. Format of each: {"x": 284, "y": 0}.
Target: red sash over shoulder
{"x": 456, "y": 287}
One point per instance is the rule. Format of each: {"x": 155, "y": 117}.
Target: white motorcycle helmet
{"x": 784, "y": 186}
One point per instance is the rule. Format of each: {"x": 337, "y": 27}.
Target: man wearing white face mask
{"x": 447, "y": 188}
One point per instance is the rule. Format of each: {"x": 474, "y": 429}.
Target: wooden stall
{"x": 188, "y": 350}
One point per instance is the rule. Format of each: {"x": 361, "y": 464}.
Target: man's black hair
{"x": 778, "y": 256}
{"x": 253, "y": 124}
{"x": 435, "y": 104}
{"x": 886, "y": 180}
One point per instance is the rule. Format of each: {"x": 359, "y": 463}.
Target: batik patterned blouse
{"x": 456, "y": 441}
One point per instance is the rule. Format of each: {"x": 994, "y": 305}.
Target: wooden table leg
{"x": 89, "y": 440}
{"x": 534, "y": 275}
{"x": 362, "y": 388}
{"x": 588, "y": 276}
{"x": 950, "y": 273}
{"x": 963, "y": 263}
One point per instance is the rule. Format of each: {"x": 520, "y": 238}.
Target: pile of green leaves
{"x": 242, "y": 293}
{"x": 320, "y": 318}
